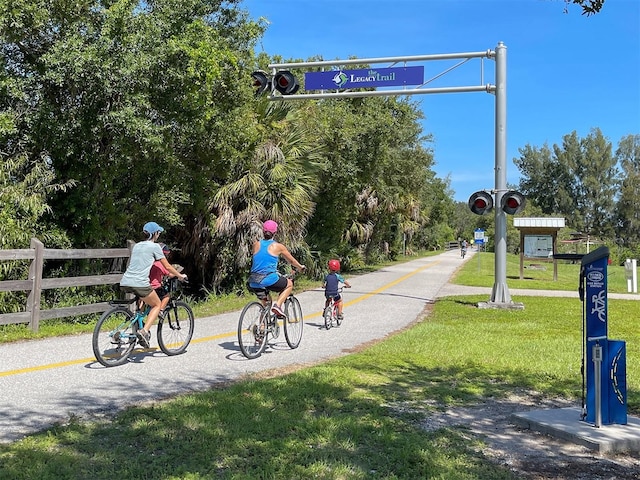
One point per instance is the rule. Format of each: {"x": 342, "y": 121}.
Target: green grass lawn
{"x": 537, "y": 275}
{"x": 356, "y": 417}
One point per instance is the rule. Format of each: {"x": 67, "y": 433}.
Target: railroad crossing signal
{"x": 283, "y": 81}
{"x": 261, "y": 82}
{"x": 481, "y": 203}
{"x": 512, "y": 202}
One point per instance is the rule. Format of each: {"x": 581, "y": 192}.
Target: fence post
{"x": 35, "y": 275}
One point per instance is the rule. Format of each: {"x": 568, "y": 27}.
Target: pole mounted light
{"x": 285, "y": 82}
{"x": 261, "y": 83}
{"x": 512, "y": 202}
{"x": 481, "y": 203}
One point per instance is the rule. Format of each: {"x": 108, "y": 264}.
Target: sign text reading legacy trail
{"x": 369, "y": 77}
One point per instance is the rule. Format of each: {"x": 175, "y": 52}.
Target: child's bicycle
{"x": 114, "y": 336}
{"x": 257, "y": 322}
{"x": 330, "y": 313}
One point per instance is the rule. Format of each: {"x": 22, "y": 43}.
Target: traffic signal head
{"x": 285, "y": 82}
{"x": 261, "y": 82}
{"x": 481, "y": 203}
{"x": 512, "y": 202}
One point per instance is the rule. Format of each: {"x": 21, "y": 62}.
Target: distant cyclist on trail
{"x": 331, "y": 285}
{"x": 463, "y": 248}
{"x": 264, "y": 268}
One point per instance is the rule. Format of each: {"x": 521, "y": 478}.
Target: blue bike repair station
{"x": 604, "y": 360}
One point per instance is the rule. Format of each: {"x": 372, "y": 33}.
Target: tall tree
{"x": 579, "y": 180}
{"x": 277, "y": 181}
{"x": 628, "y": 213}
{"x": 545, "y": 180}
{"x": 137, "y": 101}
{"x": 597, "y": 184}
{"x": 375, "y": 175}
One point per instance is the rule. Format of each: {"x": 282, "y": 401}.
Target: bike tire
{"x": 175, "y": 328}
{"x": 114, "y": 337}
{"x": 327, "y": 317}
{"x": 252, "y": 330}
{"x": 336, "y": 316}
{"x": 293, "y": 322}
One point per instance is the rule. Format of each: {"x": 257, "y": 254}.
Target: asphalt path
{"x": 47, "y": 382}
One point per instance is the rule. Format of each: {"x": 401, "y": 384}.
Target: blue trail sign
{"x": 365, "y": 78}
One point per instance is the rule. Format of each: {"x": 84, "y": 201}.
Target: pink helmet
{"x": 270, "y": 226}
{"x": 334, "y": 265}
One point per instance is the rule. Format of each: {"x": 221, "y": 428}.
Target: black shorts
{"x": 279, "y": 286}
{"x": 162, "y": 292}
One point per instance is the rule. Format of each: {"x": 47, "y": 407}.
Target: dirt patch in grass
{"x": 528, "y": 454}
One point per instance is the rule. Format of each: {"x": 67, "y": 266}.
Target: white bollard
{"x": 631, "y": 271}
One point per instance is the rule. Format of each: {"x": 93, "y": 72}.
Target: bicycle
{"x": 114, "y": 336}
{"x": 330, "y": 313}
{"x": 257, "y": 322}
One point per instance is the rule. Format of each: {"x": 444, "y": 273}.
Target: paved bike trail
{"x": 49, "y": 381}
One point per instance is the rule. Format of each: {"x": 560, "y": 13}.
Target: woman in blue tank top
{"x": 264, "y": 268}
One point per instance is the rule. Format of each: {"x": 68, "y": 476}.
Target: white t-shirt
{"x": 143, "y": 255}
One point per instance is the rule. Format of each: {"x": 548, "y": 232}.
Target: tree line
{"x": 114, "y": 113}
{"x": 595, "y": 187}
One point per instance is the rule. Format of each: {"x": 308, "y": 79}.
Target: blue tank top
{"x": 265, "y": 266}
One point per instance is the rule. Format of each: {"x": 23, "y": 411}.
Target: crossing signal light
{"x": 512, "y": 202}
{"x": 481, "y": 203}
{"x": 261, "y": 82}
{"x": 285, "y": 82}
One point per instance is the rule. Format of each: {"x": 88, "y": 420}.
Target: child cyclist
{"x": 157, "y": 273}
{"x": 331, "y": 286}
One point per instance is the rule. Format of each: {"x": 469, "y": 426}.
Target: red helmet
{"x": 334, "y": 265}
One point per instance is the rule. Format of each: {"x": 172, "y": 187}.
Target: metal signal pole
{"x": 500, "y": 296}
{"x": 500, "y": 293}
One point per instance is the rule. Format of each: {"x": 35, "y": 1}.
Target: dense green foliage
{"x": 113, "y": 113}
{"x": 144, "y": 111}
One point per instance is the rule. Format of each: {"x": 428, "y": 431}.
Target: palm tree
{"x": 276, "y": 181}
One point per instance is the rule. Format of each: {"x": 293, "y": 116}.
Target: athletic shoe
{"x": 340, "y": 317}
{"x": 277, "y": 310}
{"x": 144, "y": 337}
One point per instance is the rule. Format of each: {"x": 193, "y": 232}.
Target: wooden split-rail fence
{"x": 35, "y": 284}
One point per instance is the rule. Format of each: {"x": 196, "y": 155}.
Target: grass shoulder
{"x": 479, "y": 271}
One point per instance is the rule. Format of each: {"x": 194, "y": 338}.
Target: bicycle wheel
{"x": 293, "y": 322}
{"x": 175, "y": 328}
{"x": 327, "y": 316}
{"x": 114, "y": 337}
{"x": 252, "y": 330}
{"x": 336, "y": 316}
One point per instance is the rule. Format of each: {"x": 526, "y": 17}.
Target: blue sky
{"x": 565, "y": 71}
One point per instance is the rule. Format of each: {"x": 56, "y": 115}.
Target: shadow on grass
{"x": 312, "y": 423}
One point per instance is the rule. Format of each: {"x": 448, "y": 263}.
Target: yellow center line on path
{"x": 218, "y": 336}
